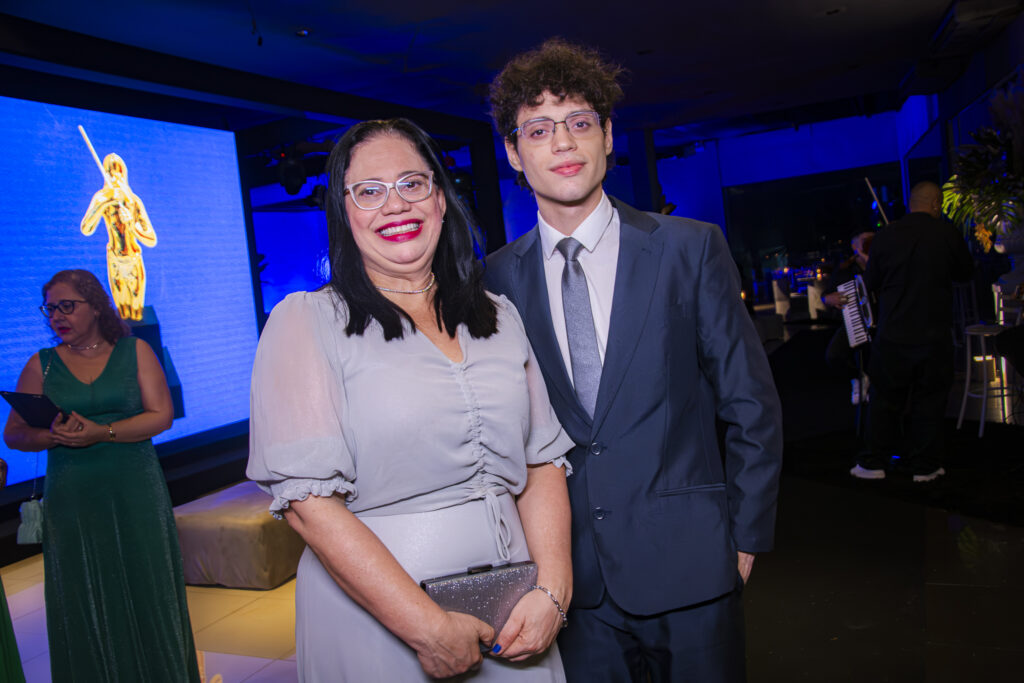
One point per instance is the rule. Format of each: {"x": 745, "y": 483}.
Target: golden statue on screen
{"x": 128, "y": 225}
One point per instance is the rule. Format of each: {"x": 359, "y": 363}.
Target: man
{"x": 643, "y": 340}
{"x": 914, "y": 262}
{"x": 860, "y": 243}
{"x": 839, "y": 356}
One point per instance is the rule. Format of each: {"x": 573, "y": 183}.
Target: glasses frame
{"x": 49, "y": 309}
{"x": 515, "y": 132}
{"x": 392, "y": 186}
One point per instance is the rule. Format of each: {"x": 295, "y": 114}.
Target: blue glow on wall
{"x": 916, "y": 117}
{"x": 695, "y": 182}
{"x": 292, "y": 239}
{"x": 518, "y": 207}
{"x": 691, "y": 183}
{"x": 816, "y": 148}
{"x": 198, "y": 275}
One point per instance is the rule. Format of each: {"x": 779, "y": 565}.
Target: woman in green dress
{"x": 10, "y": 659}
{"x": 115, "y": 592}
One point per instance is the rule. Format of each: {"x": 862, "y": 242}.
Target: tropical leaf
{"x": 985, "y": 192}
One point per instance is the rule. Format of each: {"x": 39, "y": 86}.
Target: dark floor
{"x": 886, "y": 580}
{"x": 866, "y": 587}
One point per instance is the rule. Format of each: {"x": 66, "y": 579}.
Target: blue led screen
{"x": 198, "y": 276}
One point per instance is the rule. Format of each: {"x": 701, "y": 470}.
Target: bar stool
{"x": 965, "y": 311}
{"x": 976, "y": 339}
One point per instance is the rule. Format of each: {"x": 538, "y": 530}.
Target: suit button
{"x": 596, "y": 448}
{"x": 600, "y": 513}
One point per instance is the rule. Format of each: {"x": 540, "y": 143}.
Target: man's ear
{"x": 609, "y": 141}
{"x": 513, "y": 155}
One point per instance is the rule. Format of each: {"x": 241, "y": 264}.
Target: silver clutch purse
{"x": 487, "y": 593}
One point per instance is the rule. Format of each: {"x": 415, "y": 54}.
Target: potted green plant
{"x": 985, "y": 195}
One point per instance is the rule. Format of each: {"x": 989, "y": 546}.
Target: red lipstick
{"x": 400, "y": 231}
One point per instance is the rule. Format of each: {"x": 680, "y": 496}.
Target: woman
{"x": 402, "y": 426}
{"x": 10, "y": 660}
{"x": 115, "y": 592}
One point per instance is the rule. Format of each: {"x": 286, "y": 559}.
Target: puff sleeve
{"x": 297, "y": 445}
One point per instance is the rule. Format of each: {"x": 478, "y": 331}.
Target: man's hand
{"x": 746, "y": 563}
{"x": 834, "y": 299}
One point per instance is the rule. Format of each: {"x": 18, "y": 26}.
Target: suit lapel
{"x": 535, "y": 309}
{"x": 635, "y": 277}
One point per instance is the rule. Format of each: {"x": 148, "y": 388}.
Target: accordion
{"x": 856, "y": 311}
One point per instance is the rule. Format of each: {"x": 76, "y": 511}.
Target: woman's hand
{"x": 453, "y": 646}
{"x": 17, "y": 433}
{"x": 78, "y": 431}
{"x": 544, "y": 511}
{"x": 530, "y": 628}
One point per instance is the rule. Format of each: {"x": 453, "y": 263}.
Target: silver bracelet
{"x": 558, "y": 605}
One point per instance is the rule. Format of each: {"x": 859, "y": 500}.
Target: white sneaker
{"x": 864, "y": 473}
{"x": 931, "y": 476}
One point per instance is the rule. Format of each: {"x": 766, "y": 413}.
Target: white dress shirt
{"x": 599, "y": 235}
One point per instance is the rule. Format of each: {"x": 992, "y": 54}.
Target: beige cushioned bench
{"x": 229, "y": 538}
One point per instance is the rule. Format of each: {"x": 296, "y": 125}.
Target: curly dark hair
{"x": 111, "y": 326}
{"x": 459, "y": 291}
{"x": 561, "y": 68}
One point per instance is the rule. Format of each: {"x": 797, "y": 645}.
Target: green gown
{"x": 10, "y": 660}
{"x": 115, "y": 592}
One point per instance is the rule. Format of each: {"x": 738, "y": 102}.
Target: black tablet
{"x": 36, "y": 409}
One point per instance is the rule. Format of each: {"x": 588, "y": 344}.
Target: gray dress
{"x": 428, "y": 453}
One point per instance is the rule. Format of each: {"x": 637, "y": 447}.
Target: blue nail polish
{"x": 496, "y": 649}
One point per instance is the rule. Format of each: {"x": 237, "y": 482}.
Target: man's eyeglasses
{"x": 373, "y": 194}
{"x": 580, "y": 124}
{"x": 65, "y": 306}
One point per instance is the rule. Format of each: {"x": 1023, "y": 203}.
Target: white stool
{"x": 977, "y": 336}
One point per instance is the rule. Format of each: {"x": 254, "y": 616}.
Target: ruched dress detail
{"x": 429, "y": 454}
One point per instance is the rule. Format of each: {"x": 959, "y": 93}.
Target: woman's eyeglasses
{"x": 373, "y": 194}
{"x": 65, "y": 306}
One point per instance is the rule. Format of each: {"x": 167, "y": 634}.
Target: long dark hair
{"x": 459, "y": 295}
{"x": 111, "y": 326}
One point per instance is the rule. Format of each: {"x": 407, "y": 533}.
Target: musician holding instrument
{"x": 860, "y": 242}
{"x": 914, "y": 262}
{"x": 839, "y": 356}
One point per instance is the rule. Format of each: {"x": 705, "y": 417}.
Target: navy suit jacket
{"x": 658, "y": 511}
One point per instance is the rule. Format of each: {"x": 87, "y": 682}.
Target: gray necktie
{"x": 579, "y": 327}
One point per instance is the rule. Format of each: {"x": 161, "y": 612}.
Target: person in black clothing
{"x": 839, "y": 356}
{"x": 914, "y": 262}
{"x": 860, "y": 242}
